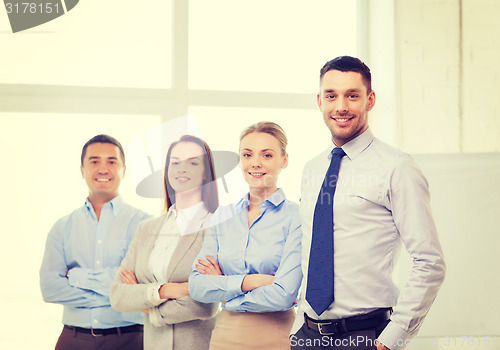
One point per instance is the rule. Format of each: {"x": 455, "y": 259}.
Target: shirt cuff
{"x": 153, "y": 295}
{"x": 394, "y": 337}
{"x": 233, "y": 285}
{"x": 77, "y": 277}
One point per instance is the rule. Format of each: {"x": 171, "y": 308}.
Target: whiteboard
{"x": 465, "y": 198}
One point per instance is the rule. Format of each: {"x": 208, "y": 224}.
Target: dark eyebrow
{"x": 97, "y": 157}
{"x": 329, "y": 91}
{"x": 91, "y": 158}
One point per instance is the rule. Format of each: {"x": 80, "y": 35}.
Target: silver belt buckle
{"x": 320, "y": 328}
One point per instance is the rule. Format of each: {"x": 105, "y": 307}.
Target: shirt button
{"x": 95, "y": 321}
{"x": 98, "y": 262}
{"x": 99, "y": 241}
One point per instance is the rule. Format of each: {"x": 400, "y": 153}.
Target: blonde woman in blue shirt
{"x": 250, "y": 259}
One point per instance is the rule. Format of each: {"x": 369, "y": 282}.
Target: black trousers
{"x": 72, "y": 340}
{"x": 309, "y": 339}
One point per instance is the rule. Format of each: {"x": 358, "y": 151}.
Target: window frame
{"x": 168, "y": 103}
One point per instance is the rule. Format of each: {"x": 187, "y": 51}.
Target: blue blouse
{"x": 271, "y": 245}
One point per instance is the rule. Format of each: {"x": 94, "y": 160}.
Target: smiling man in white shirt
{"x": 380, "y": 199}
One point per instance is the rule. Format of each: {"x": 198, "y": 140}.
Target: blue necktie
{"x": 319, "y": 293}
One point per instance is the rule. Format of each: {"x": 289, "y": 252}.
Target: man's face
{"x": 345, "y": 104}
{"x": 103, "y": 170}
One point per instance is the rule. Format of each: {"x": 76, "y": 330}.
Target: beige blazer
{"x": 186, "y": 323}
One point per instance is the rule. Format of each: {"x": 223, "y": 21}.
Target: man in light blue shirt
{"x": 83, "y": 252}
{"x": 381, "y": 199}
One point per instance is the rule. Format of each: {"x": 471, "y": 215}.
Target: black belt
{"x": 106, "y": 331}
{"x": 349, "y": 324}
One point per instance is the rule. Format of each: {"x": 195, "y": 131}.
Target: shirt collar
{"x": 116, "y": 204}
{"x": 275, "y": 199}
{"x": 357, "y": 145}
{"x": 189, "y": 212}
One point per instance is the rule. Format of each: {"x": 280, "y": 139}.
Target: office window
{"x": 271, "y": 46}
{"x": 112, "y": 64}
{"x": 97, "y": 43}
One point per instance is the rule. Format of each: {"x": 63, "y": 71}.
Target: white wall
{"x": 448, "y": 84}
{"x": 427, "y": 37}
{"x": 448, "y": 75}
{"x": 481, "y": 73}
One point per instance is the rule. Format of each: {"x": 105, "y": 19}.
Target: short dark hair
{"x": 349, "y": 64}
{"x": 209, "y": 192}
{"x": 102, "y": 138}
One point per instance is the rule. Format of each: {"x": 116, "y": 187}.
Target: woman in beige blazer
{"x": 154, "y": 273}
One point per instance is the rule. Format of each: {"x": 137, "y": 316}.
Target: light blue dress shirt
{"x": 93, "y": 250}
{"x": 271, "y": 245}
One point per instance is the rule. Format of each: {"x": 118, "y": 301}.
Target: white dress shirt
{"x": 381, "y": 199}
{"x": 174, "y": 227}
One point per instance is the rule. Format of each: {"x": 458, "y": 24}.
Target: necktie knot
{"x": 337, "y": 151}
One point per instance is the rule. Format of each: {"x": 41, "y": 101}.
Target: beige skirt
{"x": 251, "y": 330}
